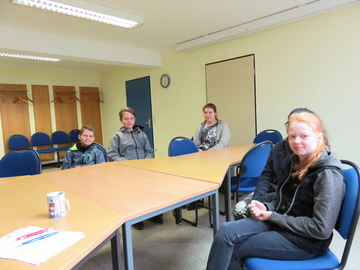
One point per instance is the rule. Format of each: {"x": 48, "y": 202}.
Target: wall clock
{"x": 165, "y": 80}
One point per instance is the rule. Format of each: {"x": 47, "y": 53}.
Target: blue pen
{"x": 40, "y": 238}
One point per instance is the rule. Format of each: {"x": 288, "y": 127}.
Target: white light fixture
{"x": 30, "y": 57}
{"x": 87, "y": 10}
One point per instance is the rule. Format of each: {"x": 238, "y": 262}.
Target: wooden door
{"x": 230, "y": 85}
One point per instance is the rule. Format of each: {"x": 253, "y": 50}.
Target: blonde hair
{"x": 87, "y": 127}
{"x": 317, "y": 126}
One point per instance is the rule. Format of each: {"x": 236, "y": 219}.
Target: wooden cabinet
{"x": 15, "y": 107}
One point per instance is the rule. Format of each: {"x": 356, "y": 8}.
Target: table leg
{"x": 128, "y": 249}
{"x": 228, "y": 195}
{"x": 215, "y": 206}
{"x": 115, "y": 250}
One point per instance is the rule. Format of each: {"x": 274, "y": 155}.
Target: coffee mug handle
{"x": 68, "y": 206}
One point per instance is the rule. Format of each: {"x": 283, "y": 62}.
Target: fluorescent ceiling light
{"x": 30, "y": 57}
{"x": 87, "y": 10}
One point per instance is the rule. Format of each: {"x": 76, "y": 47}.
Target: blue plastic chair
{"x": 20, "y": 162}
{"x": 98, "y": 145}
{"x": 268, "y": 135}
{"x": 42, "y": 139}
{"x": 345, "y": 226}
{"x": 74, "y": 136}
{"x": 181, "y": 146}
{"x": 18, "y": 141}
{"x": 250, "y": 169}
{"x": 60, "y": 137}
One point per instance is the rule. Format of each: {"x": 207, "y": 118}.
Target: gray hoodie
{"x": 128, "y": 145}
{"x": 222, "y": 135}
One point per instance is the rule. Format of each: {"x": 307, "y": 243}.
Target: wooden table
{"x": 231, "y": 155}
{"x": 212, "y": 164}
{"x": 23, "y": 203}
{"x": 133, "y": 193}
{"x": 199, "y": 168}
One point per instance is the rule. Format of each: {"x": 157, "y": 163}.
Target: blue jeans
{"x": 250, "y": 238}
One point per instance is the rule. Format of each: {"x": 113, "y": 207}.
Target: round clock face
{"x": 165, "y": 80}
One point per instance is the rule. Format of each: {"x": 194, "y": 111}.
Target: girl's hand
{"x": 258, "y": 210}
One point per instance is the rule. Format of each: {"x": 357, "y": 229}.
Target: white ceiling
{"x": 90, "y": 46}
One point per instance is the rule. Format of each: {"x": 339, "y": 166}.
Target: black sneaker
{"x": 157, "y": 219}
{"x": 139, "y": 225}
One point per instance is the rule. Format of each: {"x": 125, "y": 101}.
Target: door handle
{"x": 149, "y": 123}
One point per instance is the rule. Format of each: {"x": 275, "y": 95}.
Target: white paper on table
{"x": 39, "y": 251}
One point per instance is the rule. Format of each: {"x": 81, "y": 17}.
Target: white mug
{"x": 57, "y": 204}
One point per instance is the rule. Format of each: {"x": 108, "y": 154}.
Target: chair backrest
{"x": 345, "y": 226}
{"x": 350, "y": 209}
{"x": 74, "y": 135}
{"x": 98, "y": 145}
{"x": 268, "y": 135}
{"x": 181, "y": 146}
{"x": 253, "y": 164}
{"x": 40, "y": 139}
{"x": 20, "y": 162}
{"x": 18, "y": 141}
{"x": 60, "y": 137}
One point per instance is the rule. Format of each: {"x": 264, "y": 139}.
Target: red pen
{"x": 32, "y": 234}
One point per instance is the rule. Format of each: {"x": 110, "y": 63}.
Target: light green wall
{"x": 313, "y": 63}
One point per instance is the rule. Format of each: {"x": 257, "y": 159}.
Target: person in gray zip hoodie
{"x": 129, "y": 143}
{"x": 298, "y": 223}
{"x": 83, "y": 153}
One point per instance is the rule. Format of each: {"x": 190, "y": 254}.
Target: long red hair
{"x": 317, "y": 126}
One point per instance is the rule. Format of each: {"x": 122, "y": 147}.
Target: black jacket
{"x": 306, "y": 212}
{"x": 266, "y": 185}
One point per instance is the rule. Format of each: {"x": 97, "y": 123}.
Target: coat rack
{"x": 59, "y": 100}
{"x": 93, "y": 93}
{"x": 73, "y": 100}
{"x": 19, "y": 98}
{"x": 23, "y": 99}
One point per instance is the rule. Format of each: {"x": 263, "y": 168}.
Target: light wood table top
{"x": 23, "y": 203}
{"x": 231, "y": 154}
{"x": 197, "y": 168}
{"x": 129, "y": 191}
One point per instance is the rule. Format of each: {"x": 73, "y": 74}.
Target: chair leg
{"x": 178, "y": 216}
{"x": 207, "y": 207}
{"x": 210, "y": 209}
{"x": 58, "y": 159}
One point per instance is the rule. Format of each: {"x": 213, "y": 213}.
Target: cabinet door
{"x": 90, "y": 110}
{"x": 14, "y": 112}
